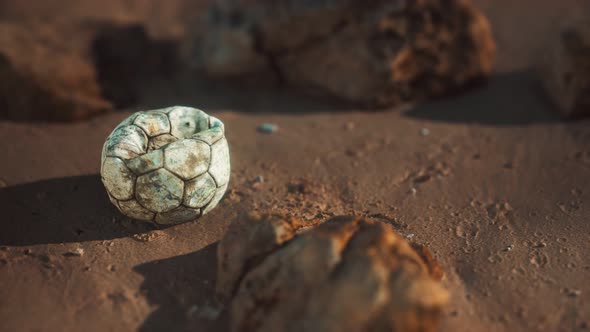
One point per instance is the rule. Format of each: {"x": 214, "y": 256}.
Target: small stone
{"x": 573, "y": 292}
{"x": 413, "y": 191}
{"x": 268, "y": 128}
{"x": 76, "y": 252}
{"x": 409, "y": 235}
{"x": 259, "y": 179}
{"x": 424, "y": 132}
{"x": 540, "y": 244}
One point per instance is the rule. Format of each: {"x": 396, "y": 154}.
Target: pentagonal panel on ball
{"x": 117, "y": 178}
{"x": 199, "y": 191}
{"x": 159, "y": 191}
{"x": 187, "y": 158}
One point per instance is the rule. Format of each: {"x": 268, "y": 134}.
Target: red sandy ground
{"x": 501, "y": 190}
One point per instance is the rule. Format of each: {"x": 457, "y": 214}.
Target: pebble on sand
{"x": 268, "y": 128}
{"x": 76, "y": 252}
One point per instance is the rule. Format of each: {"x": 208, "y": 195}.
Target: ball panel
{"x": 113, "y": 200}
{"x": 187, "y": 158}
{"x": 159, "y": 191}
{"x": 166, "y": 110}
{"x": 128, "y": 121}
{"x": 153, "y": 123}
{"x": 200, "y": 191}
{"x": 210, "y": 136}
{"x": 220, "y": 163}
{"x": 159, "y": 141}
{"x": 134, "y": 210}
{"x": 185, "y": 121}
{"x": 178, "y": 215}
{"x": 126, "y": 142}
{"x": 117, "y": 178}
{"x": 216, "y": 123}
{"x": 216, "y": 198}
{"x": 147, "y": 162}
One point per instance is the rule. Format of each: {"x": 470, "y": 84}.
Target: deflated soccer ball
{"x": 167, "y": 166}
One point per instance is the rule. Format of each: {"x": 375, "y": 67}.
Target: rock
{"x": 379, "y": 53}
{"x": 347, "y": 274}
{"x": 565, "y": 70}
{"x": 247, "y": 239}
{"x": 73, "y": 70}
{"x": 45, "y": 73}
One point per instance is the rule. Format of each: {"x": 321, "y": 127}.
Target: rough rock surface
{"x": 67, "y": 71}
{"x": 46, "y": 76}
{"x": 347, "y": 274}
{"x": 565, "y": 70}
{"x": 378, "y": 53}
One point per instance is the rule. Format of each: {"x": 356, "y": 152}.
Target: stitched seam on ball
{"x": 147, "y": 138}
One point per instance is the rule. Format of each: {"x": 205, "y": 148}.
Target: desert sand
{"x": 493, "y": 181}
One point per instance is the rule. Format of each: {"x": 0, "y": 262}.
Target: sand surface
{"x": 499, "y": 190}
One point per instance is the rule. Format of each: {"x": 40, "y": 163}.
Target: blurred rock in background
{"x": 565, "y": 69}
{"x": 377, "y": 53}
{"x": 46, "y": 73}
{"x": 66, "y": 60}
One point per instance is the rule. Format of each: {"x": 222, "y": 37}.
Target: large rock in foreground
{"x": 565, "y": 70}
{"x": 347, "y": 274}
{"x": 375, "y": 53}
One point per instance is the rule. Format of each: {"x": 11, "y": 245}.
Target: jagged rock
{"x": 374, "y": 53}
{"x": 565, "y": 70}
{"x": 347, "y": 274}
